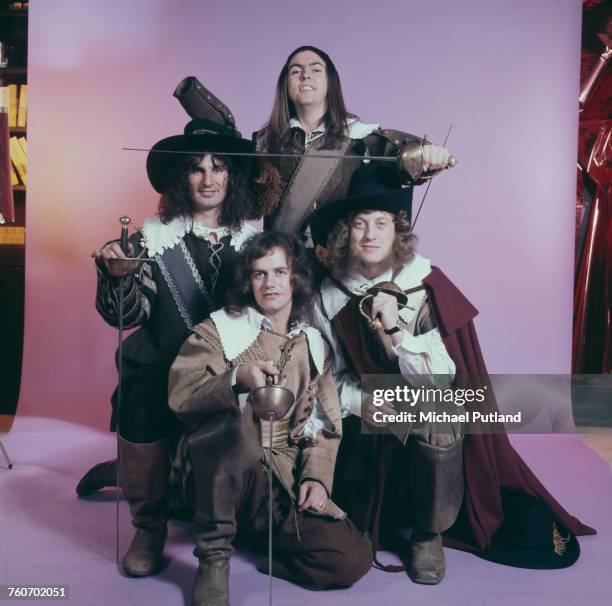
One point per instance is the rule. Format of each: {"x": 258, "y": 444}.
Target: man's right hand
{"x": 112, "y": 250}
{"x": 253, "y": 374}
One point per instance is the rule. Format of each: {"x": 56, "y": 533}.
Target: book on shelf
{"x": 14, "y": 177}
{"x": 12, "y": 235}
{"x": 12, "y": 105}
{"x": 23, "y": 143}
{"x": 19, "y": 159}
{"x": 22, "y": 107}
{"x": 14, "y": 98}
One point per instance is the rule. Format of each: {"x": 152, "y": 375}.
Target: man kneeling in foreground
{"x": 262, "y": 332}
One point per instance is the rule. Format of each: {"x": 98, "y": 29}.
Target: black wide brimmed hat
{"x": 530, "y": 537}
{"x": 200, "y": 136}
{"x": 374, "y": 186}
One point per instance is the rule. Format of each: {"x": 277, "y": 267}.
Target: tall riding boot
{"x": 144, "y": 470}
{"x": 222, "y": 450}
{"x": 436, "y": 492}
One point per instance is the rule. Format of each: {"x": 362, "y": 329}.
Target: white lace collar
{"x": 238, "y": 332}
{"x": 159, "y": 236}
{"x": 411, "y": 275}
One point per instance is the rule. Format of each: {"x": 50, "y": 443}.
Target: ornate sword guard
{"x": 410, "y": 159}
{"x": 271, "y": 401}
{"x": 389, "y": 288}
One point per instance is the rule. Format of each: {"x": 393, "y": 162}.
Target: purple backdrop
{"x": 500, "y": 224}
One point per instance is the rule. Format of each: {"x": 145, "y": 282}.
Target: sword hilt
{"x": 123, "y": 239}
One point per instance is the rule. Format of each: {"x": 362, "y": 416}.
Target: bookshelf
{"x": 14, "y": 37}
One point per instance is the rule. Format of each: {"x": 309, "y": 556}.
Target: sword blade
{"x": 119, "y": 402}
{"x": 266, "y": 155}
{"x": 270, "y": 508}
{"x": 131, "y": 260}
{"x": 429, "y": 184}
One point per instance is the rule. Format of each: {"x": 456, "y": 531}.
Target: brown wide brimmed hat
{"x": 200, "y": 136}
{"x": 374, "y": 186}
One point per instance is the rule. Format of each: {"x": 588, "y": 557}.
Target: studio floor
{"x": 50, "y": 537}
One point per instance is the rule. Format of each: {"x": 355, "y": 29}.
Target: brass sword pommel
{"x": 410, "y": 160}
{"x": 123, "y": 238}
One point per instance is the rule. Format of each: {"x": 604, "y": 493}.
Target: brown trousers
{"x": 230, "y": 494}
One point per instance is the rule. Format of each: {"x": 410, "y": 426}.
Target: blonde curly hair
{"x": 340, "y": 263}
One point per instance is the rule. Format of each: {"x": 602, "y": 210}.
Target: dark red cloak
{"x": 490, "y": 462}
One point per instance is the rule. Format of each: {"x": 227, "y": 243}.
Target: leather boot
{"x": 144, "y": 470}
{"x": 436, "y": 481}
{"x": 211, "y": 583}
{"x": 221, "y": 450}
{"x": 426, "y": 562}
{"x": 102, "y": 475}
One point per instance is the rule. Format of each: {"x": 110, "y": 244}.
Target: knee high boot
{"x": 436, "y": 493}
{"x": 222, "y": 451}
{"x": 144, "y": 470}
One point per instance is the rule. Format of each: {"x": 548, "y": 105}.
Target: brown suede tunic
{"x": 200, "y": 385}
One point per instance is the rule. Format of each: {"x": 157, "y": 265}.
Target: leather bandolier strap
{"x": 304, "y": 190}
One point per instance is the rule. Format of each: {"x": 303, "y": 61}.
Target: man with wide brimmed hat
{"x": 189, "y": 250}
{"x": 388, "y": 311}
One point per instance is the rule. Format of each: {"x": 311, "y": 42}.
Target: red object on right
{"x": 7, "y": 204}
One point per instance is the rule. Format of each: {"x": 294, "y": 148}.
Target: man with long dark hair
{"x": 309, "y": 117}
{"x": 204, "y": 204}
{"x": 264, "y": 332}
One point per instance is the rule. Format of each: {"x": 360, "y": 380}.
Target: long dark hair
{"x": 176, "y": 201}
{"x": 241, "y": 293}
{"x": 276, "y": 130}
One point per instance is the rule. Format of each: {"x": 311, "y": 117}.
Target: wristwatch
{"x": 392, "y": 331}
